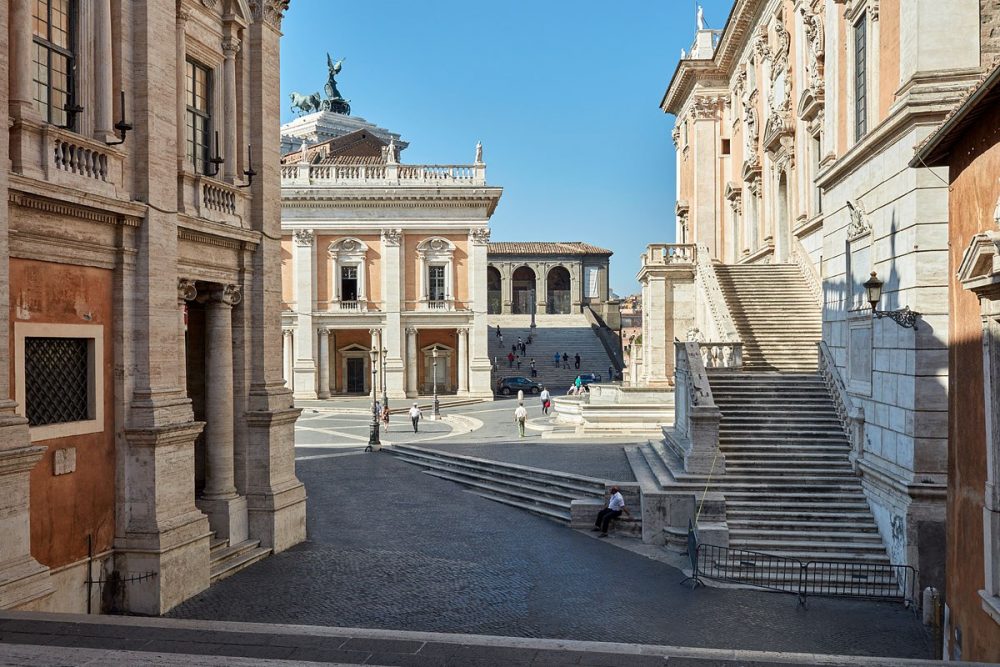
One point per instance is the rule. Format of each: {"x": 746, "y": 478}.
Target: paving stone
{"x": 390, "y": 547}
{"x": 622, "y": 660}
{"x": 382, "y": 645}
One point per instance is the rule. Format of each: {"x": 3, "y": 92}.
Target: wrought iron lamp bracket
{"x": 904, "y": 317}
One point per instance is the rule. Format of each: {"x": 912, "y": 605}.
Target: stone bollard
{"x": 930, "y": 603}
{"x": 520, "y": 395}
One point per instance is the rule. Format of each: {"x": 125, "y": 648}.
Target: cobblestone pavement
{"x": 603, "y": 460}
{"x": 390, "y": 547}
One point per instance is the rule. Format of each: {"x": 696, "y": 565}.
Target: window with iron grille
{"x": 860, "y": 78}
{"x": 54, "y": 62}
{"x": 435, "y": 275}
{"x": 56, "y": 380}
{"x": 199, "y": 115}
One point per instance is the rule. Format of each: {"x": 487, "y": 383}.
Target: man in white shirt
{"x": 546, "y": 397}
{"x": 520, "y": 415}
{"x": 415, "y": 415}
{"x": 616, "y": 505}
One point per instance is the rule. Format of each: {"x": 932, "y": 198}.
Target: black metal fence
{"x": 852, "y": 579}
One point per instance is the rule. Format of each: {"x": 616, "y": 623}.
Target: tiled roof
{"x": 545, "y": 248}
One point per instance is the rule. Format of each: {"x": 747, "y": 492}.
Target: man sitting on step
{"x": 616, "y": 505}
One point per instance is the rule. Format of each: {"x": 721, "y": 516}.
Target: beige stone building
{"x": 145, "y": 428}
{"x": 384, "y": 256}
{"x": 795, "y": 126}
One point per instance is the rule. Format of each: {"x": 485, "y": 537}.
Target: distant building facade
{"x": 554, "y": 278}
{"x": 967, "y": 144}
{"x": 384, "y": 256}
{"x": 143, "y": 417}
{"x": 631, "y": 330}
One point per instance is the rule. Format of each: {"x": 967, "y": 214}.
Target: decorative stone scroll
{"x": 186, "y": 290}
{"x": 303, "y": 237}
{"x": 392, "y": 237}
{"x": 707, "y": 107}
{"x": 269, "y": 12}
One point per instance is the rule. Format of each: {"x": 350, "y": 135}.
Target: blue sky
{"x": 564, "y": 96}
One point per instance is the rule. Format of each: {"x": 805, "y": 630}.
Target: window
{"x": 726, "y": 146}
{"x": 54, "y": 63}
{"x": 55, "y": 380}
{"x": 816, "y": 151}
{"x": 199, "y": 115}
{"x": 435, "y": 283}
{"x": 861, "y": 78}
{"x": 59, "y": 378}
{"x": 349, "y": 283}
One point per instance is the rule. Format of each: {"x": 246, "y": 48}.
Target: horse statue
{"x": 334, "y": 100}
{"x": 305, "y": 103}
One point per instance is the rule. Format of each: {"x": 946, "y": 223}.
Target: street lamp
{"x": 436, "y": 413}
{"x": 904, "y": 317}
{"x": 373, "y": 442}
{"x": 385, "y": 396}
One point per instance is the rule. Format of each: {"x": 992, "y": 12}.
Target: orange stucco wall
{"x": 287, "y": 289}
{"x": 888, "y": 78}
{"x": 65, "y": 508}
{"x": 411, "y": 267}
{"x": 974, "y": 168}
{"x": 341, "y": 339}
{"x": 325, "y": 277}
{"x": 446, "y": 337}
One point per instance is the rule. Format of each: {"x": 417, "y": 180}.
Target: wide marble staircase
{"x": 570, "y": 334}
{"x": 775, "y": 315}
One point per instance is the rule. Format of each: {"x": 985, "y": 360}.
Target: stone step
{"x": 764, "y": 471}
{"x": 803, "y": 499}
{"x": 810, "y": 535}
{"x": 522, "y": 493}
{"x": 816, "y": 523}
{"x": 806, "y": 545}
{"x": 231, "y": 559}
{"x": 558, "y": 515}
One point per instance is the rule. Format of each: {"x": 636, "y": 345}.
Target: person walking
{"x": 510, "y": 359}
{"x": 546, "y": 397}
{"x": 556, "y": 359}
{"x": 534, "y": 371}
{"x": 385, "y": 418}
{"x": 499, "y": 335}
{"x": 519, "y": 363}
{"x": 611, "y": 373}
{"x": 415, "y": 416}
{"x": 576, "y": 360}
{"x": 513, "y": 348}
{"x": 520, "y": 415}
{"x": 616, "y": 505}
{"x": 519, "y": 342}
{"x": 565, "y": 361}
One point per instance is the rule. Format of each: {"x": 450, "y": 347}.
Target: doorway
{"x": 355, "y": 375}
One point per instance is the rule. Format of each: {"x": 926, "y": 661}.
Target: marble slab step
{"x": 521, "y": 489}
{"x": 640, "y": 469}
{"x": 818, "y": 523}
{"x": 817, "y": 550}
{"x": 558, "y": 515}
{"x": 810, "y": 535}
{"x": 236, "y": 558}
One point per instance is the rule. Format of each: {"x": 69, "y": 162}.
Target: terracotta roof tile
{"x": 545, "y": 248}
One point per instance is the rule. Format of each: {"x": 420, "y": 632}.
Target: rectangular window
{"x": 816, "y": 157}
{"x": 435, "y": 282}
{"x": 861, "y": 78}
{"x": 56, "y": 389}
{"x": 349, "y": 283}
{"x": 199, "y": 115}
{"x": 725, "y": 147}
{"x": 54, "y": 64}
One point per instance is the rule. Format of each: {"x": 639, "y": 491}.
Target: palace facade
{"x": 384, "y": 257}
{"x": 146, "y": 435}
{"x": 795, "y": 126}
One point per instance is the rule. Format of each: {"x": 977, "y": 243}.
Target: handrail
{"x": 707, "y": 282}
{"x": 800, "y": 258}
{"x": 852, "y": 417}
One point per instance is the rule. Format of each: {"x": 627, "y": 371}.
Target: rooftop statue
{"x": 701, "y": 17}
{"x": 334, "y": 101}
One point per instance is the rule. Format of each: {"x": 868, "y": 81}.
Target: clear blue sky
{"x": 564, "y": 96}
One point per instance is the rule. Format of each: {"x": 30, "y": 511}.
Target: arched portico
{"x": 557, "y": 291}
{"x": 523, "y": 290}
{"x": 494, "y": 291}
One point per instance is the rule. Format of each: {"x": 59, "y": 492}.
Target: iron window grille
{"x": 199, "y": 115}
{"x": 56, "y": 380}
{"x": 54, "y": 25}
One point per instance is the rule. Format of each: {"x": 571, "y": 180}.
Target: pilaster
{"x": 303, "y": 277}
{"x": 392, "y": 299}
{"x": 480, "y": 377}
{"x": 324, "y": 363}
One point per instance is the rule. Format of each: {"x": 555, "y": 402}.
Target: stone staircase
{"x": 775, "y": 314}
{"x": 571, "y": 334}
{"x": 547, "y": 493}
{"x": 227, "y": 560}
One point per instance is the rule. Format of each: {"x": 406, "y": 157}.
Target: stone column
{"x": 541, "y": 281}
{"x": 576, "y": 286}
{"x": 181, "y": 49}
{"x": 226, "y": 510}
{"x": 230, "y": 47}
{"x": 103, "y": 95}
{"x": 463, "y": 360}
{"x": 303, "y": 273}
{"x": 479, "y": 376}
{"x": 411, "y": 362}
{"x": 392, "y": 304}
{"x": 288, "y": 356}
{"x": 20, "y": 48}
{"x": 507, "y": 287}
{"x": 324, "y": 363}
{"x": 186, "y": 291}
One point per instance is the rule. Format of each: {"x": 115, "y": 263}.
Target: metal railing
{"x": 851, "y": 579}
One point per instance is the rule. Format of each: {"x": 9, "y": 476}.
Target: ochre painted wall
{"x": 287, "y": 288}
{"x": 66, "y": 508}
{"x": 325, "y": 278}
{"x": 888, "y": 76}
{"x": 446, "y": 337}
{"x": 343, "y": 338}
{"x": 974, "y": 169}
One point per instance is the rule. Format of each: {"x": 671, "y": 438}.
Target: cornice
{"x": 216, "y": 233}
{"x": 71, "y": 209}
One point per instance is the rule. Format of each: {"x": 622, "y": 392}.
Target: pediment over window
{"x": 980, "y": 267}
{"x": 349, "y": 247}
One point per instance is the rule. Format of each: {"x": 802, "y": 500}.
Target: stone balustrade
{"x": 717, "y": 323}
{"x": 442, "y": 175}
{"x": 218, "y": 197}
{"x": 666, "y": 254}
{"x": 721, "y": 355}
{"x": 211, "y": 199}
{"x": 695, "y": 434}
{"x": 75, "y": 161}
{"x": 851, "y": 416}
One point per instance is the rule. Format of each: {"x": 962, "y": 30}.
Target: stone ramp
{"x": 46, "y": 640}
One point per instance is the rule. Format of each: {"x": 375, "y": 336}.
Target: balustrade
{"x": 721, "y": 355}
{"x": 74, "y": 158}
{"x": 662, "y": 254}
{"x": 695, "y": 433}
{"x": 217, "y": 197}
{"x": 382, "y": 174}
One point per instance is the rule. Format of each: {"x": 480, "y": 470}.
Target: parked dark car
{"x": 511, "y": 385}
{"x": 589, "y": 378}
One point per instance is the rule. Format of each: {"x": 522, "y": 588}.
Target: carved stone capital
{"x": 183, "y": 14}
{"x": 303, "y": 237}
{"x": 323, "y": 331}
{"x": 480, "y": 235}
{"x": 186, "y": 290}
{"x": 411, "y": 331}
{"x": 228, "y": 295}
{"x": 230, "y": 46}
{"x": 392, "y": 237}
{"x": 269, "y": 12}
